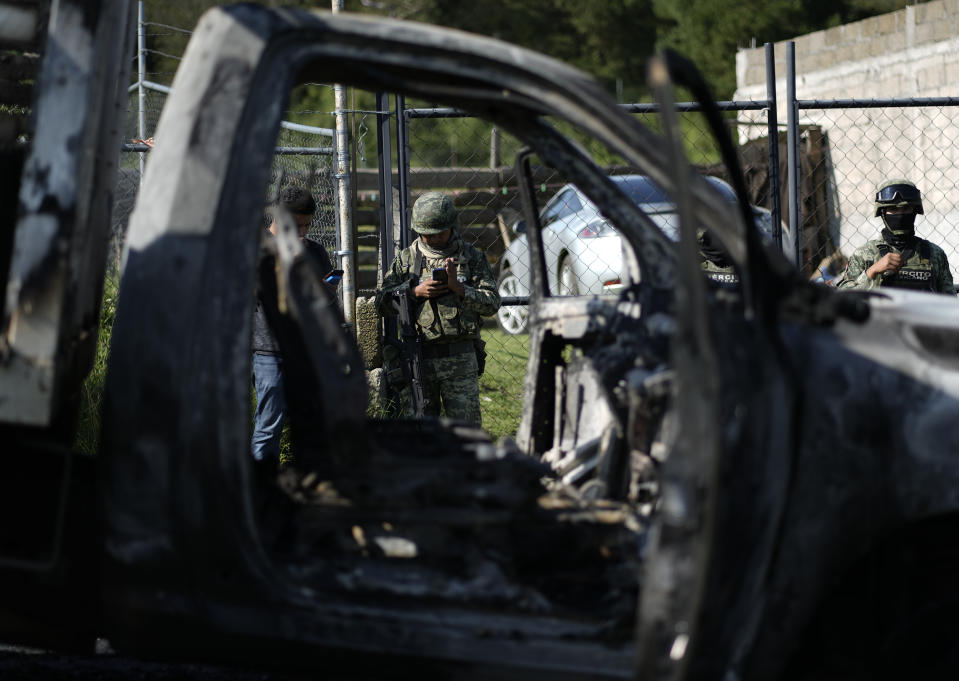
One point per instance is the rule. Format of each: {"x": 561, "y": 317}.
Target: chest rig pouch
{"x": 916, "y": 270}
{"x": 443, "y": 318}
{"x": 724, "y": 277}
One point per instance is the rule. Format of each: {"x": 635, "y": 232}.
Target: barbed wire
{"x": 163, "y": 54}
{"x": 167, "y": 26}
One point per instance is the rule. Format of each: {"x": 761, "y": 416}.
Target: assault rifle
{"x": 411, "y": 355}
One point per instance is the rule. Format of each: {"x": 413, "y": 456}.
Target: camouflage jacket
{"x": 927, "y": 268}
{"x": 449, "y": 319}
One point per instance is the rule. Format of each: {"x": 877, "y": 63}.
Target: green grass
{"x": 91, "y": 392}
{"x": 501, "y": 385}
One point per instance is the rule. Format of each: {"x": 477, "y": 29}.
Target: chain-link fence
{"x": 852, "y": 147}
{"x": 302, "y": 158}
{"x": 463, "y": 157}
{"x": 846, "y": 149}
{"x": 304, "y": 153}
{"x": 471, "y": 161}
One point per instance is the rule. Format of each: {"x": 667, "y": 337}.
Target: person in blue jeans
{"x": 271, "y": 403}
{"x": 270, "y": 414}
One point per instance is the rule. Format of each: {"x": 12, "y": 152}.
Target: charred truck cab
{"x": 680, "y": 503}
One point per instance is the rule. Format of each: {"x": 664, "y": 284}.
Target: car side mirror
{"x": 519, "y": 227}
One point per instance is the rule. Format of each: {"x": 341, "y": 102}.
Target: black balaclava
{"x": 899, "y": 229}
{"x": 712, "y": 251}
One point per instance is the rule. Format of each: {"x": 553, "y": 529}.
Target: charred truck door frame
{"x": 52, "y": 302}
{"x": 49, "y": 546}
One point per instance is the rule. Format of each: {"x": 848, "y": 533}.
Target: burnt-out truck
{"x": 794, "y": 445}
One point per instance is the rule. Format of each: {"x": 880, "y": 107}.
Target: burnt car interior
{"x": 663, "y": 512}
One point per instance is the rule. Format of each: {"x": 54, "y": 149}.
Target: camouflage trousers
{"x": 452, "y": 388}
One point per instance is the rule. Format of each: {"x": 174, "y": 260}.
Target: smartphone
{"x": 439, "y": 274}
{"x": 334, "y": 277}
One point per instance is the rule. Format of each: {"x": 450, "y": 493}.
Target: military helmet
{"x": 898, "y": 194}
{"x": 433, "y": 213}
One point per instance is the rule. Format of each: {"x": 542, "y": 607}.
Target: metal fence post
{"x": 403, "y": 169}
{"x": 383, "y": 145}
{"x": 141, "y": 76}
{"x": 494, "y": 148}
{"x": 775, "y": 204}
{"x": 345, "y": 223}
{"x": 792, "y": 152}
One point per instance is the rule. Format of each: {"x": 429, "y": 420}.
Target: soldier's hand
{"x": 890, "y": 262}
{"x": 454, "y": 284}
{"x": 430, "y": 288}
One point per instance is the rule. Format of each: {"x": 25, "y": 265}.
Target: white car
{"x": 583, "y": 251}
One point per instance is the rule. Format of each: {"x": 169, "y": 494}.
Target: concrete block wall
{"x": 913, "y": 52}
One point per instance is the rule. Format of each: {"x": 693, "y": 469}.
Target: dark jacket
{"x": 264, "y": 341}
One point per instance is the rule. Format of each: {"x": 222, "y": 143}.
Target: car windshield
{"x": 642, "y": 189}
{"x": 724, "y": 188}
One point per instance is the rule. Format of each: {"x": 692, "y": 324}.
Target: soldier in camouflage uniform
{"x": 447, "y": 314}
{"x": 899, "y": 259}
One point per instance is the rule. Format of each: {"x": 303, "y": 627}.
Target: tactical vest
{"x": 916, "y": 271}
{"x": 724, "y": 277}
{"x": 443, "y": 318}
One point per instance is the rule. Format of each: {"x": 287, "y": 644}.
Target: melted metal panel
{"x": 52, "y": 292}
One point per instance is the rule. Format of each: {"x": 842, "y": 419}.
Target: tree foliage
{"x": 610, "y": 40}
{"x": 710, "y": 31}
